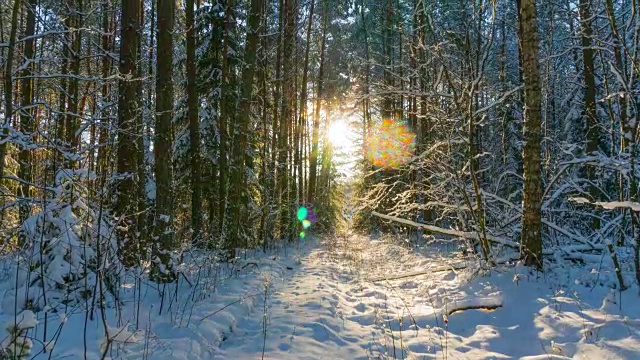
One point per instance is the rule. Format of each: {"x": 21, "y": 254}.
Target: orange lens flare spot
{"x": 391, "y": 144}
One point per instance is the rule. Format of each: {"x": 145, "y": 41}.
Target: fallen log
{"x": 450, "y": 232}
{"x": 568, "y": 250}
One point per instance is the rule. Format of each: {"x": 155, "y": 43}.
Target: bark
{"x": 27, "y": 123}
{"x": 161, "y": 266}
{"x": 589, "y": 114}
{"x": 72, "y": 122}
{"x": 141, "y": 163}
{"x": 106, "y": 43}
{"x": 225, "y": 115}
{"x": 8, "y": 84}
{"x": 238, "y": 181}
{"x": 127, "y": 117}
{"x": 288, "y": 91}
{"x": 194, "y": 125}
{"x": 387, "y": 102}
{"x": 263, "y": 232}
{"x": 303, "y": 92}
{"x": 313, "y": 159}
{"x": 531, "y": 220}
{"x": 366, "y": 116}
{"x": 617, "y": 51}
{"x": 275, "y": 197}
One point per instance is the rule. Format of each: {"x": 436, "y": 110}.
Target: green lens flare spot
{"x": 302, "y": 235}
{"x": 306, "y": 224}
{"x": 302, "y": 213}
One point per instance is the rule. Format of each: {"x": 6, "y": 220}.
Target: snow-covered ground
{"x": 339, "y": 299}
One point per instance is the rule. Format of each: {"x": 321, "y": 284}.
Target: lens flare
{"x": 302, "y": 234}
{"x": 312, "y": 217}
{"x": 302, "y": 213}
{"x": 391, "y": 144}
{"x": 306, "y": 224}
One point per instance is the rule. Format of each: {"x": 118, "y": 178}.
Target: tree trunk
{"x": 303, "y": 91}
{"x": 589, "y": 114}
{"x": 8, "y": 85}
{"x": 313, "y": 159}
{"x": 128, "y": 116}
{"x": 162, "y": 268}
{"x": 103, "y": 137}
{"x": 73, "y": 117}
{"x": 194, "y": 125}
{"x": 277, "y": 96}
{"x": 285, "y": 120}
{"x": 27, "y": 123}
{"x": 531, "y": 217}
{"x": 238, "y": 181}
{"x": 223, "y": 120}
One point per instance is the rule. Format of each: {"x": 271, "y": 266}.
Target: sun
{"x": 344, "y": 142}
{"x": 338, "y": 134}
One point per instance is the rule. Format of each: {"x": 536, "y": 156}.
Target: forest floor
{"x": 337, "y": 305}
{"x": 338, "y": 299}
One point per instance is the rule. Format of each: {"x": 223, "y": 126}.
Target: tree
{"x": 163, "y": 142}
{"x": 106, "y": 44}
{"x": 74, "y": 43}
{"x": 128, "y": 116}
{"x": 531, "y": 217}
{"x": 226, "y": 114}
{"x": 8, "y": 85}
{"x": 313, "y": 159}
{"x": 303, "y": 93}
{"x": 194, "y": 124}
{"x": 288, "y": 92}
{"x": 589, "y": 113}
{"x": 27, "y": 121}
{"x": 238, "y": 181}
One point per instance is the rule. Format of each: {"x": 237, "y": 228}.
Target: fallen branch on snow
{"x": 418, "y": 273}
{"x": 569, "y": 250}
{"x": 450, "y": 232}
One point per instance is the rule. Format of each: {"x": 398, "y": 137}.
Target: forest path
{"x": 336, "y": 304}
{"x": 331, "y": 309}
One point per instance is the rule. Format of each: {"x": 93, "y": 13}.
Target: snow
{"x": 25, "y": 320}
{"x": 609, "y": 205}
{"x": 350, "y": 297}
{"x": 620, "y": 204}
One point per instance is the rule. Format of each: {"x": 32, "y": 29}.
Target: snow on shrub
{"x": 15, "y": 344}
{"x": 66, "y": 241}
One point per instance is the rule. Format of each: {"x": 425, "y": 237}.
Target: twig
{"x": 229, "y": 304}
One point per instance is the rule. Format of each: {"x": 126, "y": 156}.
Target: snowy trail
{"x": 304, "y": 318}
{"x": 331, "y": 309}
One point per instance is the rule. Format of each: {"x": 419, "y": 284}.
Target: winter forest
{"x": 320, "y": 179}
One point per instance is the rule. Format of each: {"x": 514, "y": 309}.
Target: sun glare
{"x": 339, "y": 134}
{"x": 343, "y": 139}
